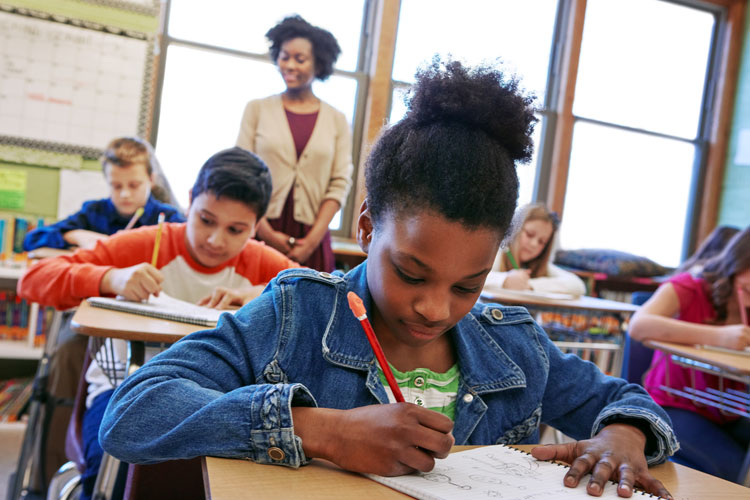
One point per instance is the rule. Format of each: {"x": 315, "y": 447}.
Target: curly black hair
{"x": 325, "y": 47}
{"x": 455, "y": 150}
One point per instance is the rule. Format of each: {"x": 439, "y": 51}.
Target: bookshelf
{"x": 20, "y": 349}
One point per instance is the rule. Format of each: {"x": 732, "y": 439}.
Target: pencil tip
{"x": 356, "y": 305}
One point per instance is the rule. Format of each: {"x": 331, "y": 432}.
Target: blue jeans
{"x": 715, "y": 449}
{"x": 92, "y": 419}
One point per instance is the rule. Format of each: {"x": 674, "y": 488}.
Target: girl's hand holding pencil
{"x": 388, "y": 440}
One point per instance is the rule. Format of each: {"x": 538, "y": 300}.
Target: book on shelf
{"x": 14, "y": 396}
{"x": 496, "y": 471}
{"x": 13, "y": 230}
{"x": 163, "y": 307}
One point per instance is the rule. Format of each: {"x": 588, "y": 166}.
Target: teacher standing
{"x": 305, "y": 142}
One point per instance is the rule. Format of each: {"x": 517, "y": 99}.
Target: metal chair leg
{"x": 20, "y": 488}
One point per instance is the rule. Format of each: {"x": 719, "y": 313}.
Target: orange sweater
{"x": 64, "y": 281}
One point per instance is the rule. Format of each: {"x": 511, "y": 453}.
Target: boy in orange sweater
{"x": 211, "y": 260}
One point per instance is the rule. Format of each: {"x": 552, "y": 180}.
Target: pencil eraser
{"x": 356, "y": 305}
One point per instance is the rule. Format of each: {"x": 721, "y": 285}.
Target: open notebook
{"x": 494, "y": 472}
{"x": 163, "y": 307}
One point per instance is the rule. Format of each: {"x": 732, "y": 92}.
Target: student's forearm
{"x": 647, "y": 326}
{"x": 313, "y": 426}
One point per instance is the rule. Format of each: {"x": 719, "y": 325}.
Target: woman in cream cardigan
{"x": 305, "y": 142}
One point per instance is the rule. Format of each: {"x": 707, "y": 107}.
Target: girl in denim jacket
{"x": 291, "y": 376}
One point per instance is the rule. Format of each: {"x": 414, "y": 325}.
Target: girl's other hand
{"x": 734, "y": 336}
{"x": 387, "y": 439}
{"x": 518, "y": 279}
{"x": 616, "y": 453}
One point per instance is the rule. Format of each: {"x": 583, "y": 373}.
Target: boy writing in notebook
{"x": 210, "y": 260}
{"x": 128, "y": 164}
{"x": 292, "y": 376}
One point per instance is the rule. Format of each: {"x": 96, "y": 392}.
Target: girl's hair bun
{"x": 482, "y": 97}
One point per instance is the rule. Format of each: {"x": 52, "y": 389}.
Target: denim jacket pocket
{"x": 525, "y": 429}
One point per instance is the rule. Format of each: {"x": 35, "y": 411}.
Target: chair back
{"x": 636, "y": 356}
{"x": 74, "y": 449}
{"x": 181, "y": 479}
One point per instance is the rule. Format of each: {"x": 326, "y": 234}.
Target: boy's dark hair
{"x": 720, "y": 270}
{"x": 455, "y": 150}
{"x": 237, "y": 174}
{"x": 325, "y": 47}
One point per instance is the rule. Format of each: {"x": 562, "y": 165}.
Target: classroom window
{"x": 639, "y": 115}
{"x": 217, "y": 60}
{"x": 519, "y": 34}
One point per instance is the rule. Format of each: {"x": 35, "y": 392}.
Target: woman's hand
{"x": 83, "y": 238}
{"x": 518, "y": 279}
{"x": 302, "y": 250}
{"x": 734, "y": 336}
{"x": 134, "y": 283}
{"x": 389, "y": 439}
{"x": 616, "y": 453}
{"x": 227, "y": 298}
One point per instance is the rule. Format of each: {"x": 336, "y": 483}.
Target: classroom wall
{"x": 734, "y": 207}
{"x": 57, "y": 183}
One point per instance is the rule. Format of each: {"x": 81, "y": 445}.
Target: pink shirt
{"x": 695, "y": 307}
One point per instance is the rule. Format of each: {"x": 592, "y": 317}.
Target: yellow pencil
{"x": 134, "y": 219}
{"x": 158, "y": 239}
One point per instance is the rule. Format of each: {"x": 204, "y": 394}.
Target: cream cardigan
{"x": 322, "y": 172}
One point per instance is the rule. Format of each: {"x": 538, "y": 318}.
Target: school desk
{"x": 227, "y": 479}
{"x": 99, "y": 324}
{"x": 722, "y": 364}
{"x": 568, "y": 321}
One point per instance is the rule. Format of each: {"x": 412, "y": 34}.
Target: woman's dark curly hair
{"x": 325, "y": 47}
{"x": 455, "y": 150}
{"x": 720, "y": 271}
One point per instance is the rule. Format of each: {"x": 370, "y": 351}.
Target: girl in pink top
{"x": 702, "y": 309}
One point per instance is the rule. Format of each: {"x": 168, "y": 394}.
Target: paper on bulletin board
{"x": 742, "y": 156}
{"x": 12, "y": 189}
{"x": 77, "y": 186}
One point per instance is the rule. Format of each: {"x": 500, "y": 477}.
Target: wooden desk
{"x": 722, "y": 364}
{"x": 735, "y": 366}
{"x": 227, "y": 479}
{"x": 582, "y": 303}
{"x": 105, "y": 323}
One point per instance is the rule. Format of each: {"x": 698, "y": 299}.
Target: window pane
{"x": 242, "y": 25}
{"x": 474, "y": 30}
{"x": 627, "y": 191}
{"x": 200, "y": 113}
{"x": 643, "y": 64}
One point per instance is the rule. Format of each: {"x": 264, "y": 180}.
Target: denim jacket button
{"x": 497, "y": 314}
{"x": 326, "y": 275}
{"x": 468, "y": 398}
{"x": 276, "y": 453}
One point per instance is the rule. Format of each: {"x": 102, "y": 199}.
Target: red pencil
{"x": 358, "y": 308}
{"x": 743, "y": 306}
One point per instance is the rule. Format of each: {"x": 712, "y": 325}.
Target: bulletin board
{"x": 71, "y": 86}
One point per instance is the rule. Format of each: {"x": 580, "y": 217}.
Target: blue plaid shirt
{"x": 100, "y": 216}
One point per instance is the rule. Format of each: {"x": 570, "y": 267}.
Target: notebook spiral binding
{"x": 636, "y": 491}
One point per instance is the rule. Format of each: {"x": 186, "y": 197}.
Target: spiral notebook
{"x": 162, "y": 307}
{"x": 494, "y": 472}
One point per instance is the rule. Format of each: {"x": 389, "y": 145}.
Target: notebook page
{"x": 493, "y": 472}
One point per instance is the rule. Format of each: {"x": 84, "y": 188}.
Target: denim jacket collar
{"x": 345, "y": 343}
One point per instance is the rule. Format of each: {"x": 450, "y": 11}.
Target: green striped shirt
{"x": 436, "y": 391}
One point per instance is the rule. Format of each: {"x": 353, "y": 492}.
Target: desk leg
{"x": 108, "y": 470}
{"x": 105, "y": 480}
{"x": 744, "y": 478}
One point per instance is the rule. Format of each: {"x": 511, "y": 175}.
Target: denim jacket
{"x": 228, "y": 392}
